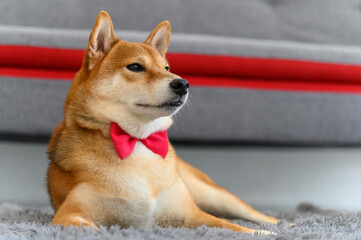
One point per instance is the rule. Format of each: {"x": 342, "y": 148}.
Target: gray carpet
{"x": 17, "y": 222}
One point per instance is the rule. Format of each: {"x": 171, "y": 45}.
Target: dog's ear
{"x": 159, "y": 37}
{"x": 101, "y": 39}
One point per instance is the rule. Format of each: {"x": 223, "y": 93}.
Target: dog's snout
{"x": 179, "y": 86}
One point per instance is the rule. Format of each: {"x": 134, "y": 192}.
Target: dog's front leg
{"x": 74, "y": 211}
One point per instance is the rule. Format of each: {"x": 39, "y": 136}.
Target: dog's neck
{"x": 140, "y": 128}
{"x": 100, "y": 114}
{"x": 135, "y": 127}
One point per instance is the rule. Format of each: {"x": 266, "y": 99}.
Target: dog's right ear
{"x": 101, "y": 39}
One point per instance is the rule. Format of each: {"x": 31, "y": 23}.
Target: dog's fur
{"x": 88, "y": 183}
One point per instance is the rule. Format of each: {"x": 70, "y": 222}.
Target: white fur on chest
{"x": 143, "y": 209}
{"x": 146, "y": 211}
{"x": 142, "y": 152}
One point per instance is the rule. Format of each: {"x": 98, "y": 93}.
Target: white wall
{"x": 281, "y": 178}
{"x": 274, "y": 178}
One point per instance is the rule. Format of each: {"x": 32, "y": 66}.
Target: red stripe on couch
{"x": 43, "y": 73}
{"x": 40, "y": 57}
{"x": 205, "y": 81}
{"x": 204, "y": 70}
{"x": 276, "y": 84}
{"x": 295, "y": 70}
{"x": 194, "y": 64}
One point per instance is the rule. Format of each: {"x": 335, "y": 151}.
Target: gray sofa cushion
{"x": 222, "y": 114}
{"x": 189, "y": 43}
{"x": 319, "y": 21}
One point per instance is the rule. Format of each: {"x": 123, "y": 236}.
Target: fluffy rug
{"x": 311, "y": 223}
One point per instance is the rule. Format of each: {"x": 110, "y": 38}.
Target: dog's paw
{"x": 264, "y": 233}
{"x": 291, "y": 224}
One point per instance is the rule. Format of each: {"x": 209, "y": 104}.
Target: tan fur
{"x": 88, "y": 183}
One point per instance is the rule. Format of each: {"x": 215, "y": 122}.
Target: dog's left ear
{"x": 101, "y": 39}
{"x": 159, "y": 37}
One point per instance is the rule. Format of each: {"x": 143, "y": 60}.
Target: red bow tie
{"x": 124, "y": 143}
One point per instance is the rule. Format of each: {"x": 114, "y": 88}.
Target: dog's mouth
{"x": 171, "y": 104}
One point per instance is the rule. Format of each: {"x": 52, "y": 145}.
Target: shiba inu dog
{"x": 110, "y": 159}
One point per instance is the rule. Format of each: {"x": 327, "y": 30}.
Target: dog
{"x": 110, "y": 159}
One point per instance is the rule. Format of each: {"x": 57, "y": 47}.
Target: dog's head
{"x": 130, "y": 82}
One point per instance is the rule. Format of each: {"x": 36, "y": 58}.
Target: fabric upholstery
{"x": 221, "y": 114}
{"x": 290, "y": 76}
{"x": 188, "y": 43}
{"x": 319, "y": 21}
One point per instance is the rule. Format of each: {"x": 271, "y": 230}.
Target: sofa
{"x": 262, "y": 72}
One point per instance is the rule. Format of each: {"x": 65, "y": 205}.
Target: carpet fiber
{"x": 17, "y": 222}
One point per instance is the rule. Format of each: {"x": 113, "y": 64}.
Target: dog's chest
{"x": 143, "y": 188}
{"x": 145, "y": 210}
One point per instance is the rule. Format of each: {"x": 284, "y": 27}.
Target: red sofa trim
{"x": 201, "y": 70}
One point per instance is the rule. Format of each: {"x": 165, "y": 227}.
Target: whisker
{"x": 189, "y": 102}
{"x": 175, "y": 122}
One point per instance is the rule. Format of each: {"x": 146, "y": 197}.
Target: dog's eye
{"x": 167, "y": 68}
{"x": 135, "y": 67}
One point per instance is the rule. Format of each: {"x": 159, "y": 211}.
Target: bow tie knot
{"x": 124, "y": 143}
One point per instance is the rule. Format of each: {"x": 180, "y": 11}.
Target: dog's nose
{"x": 179, "y": 86}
